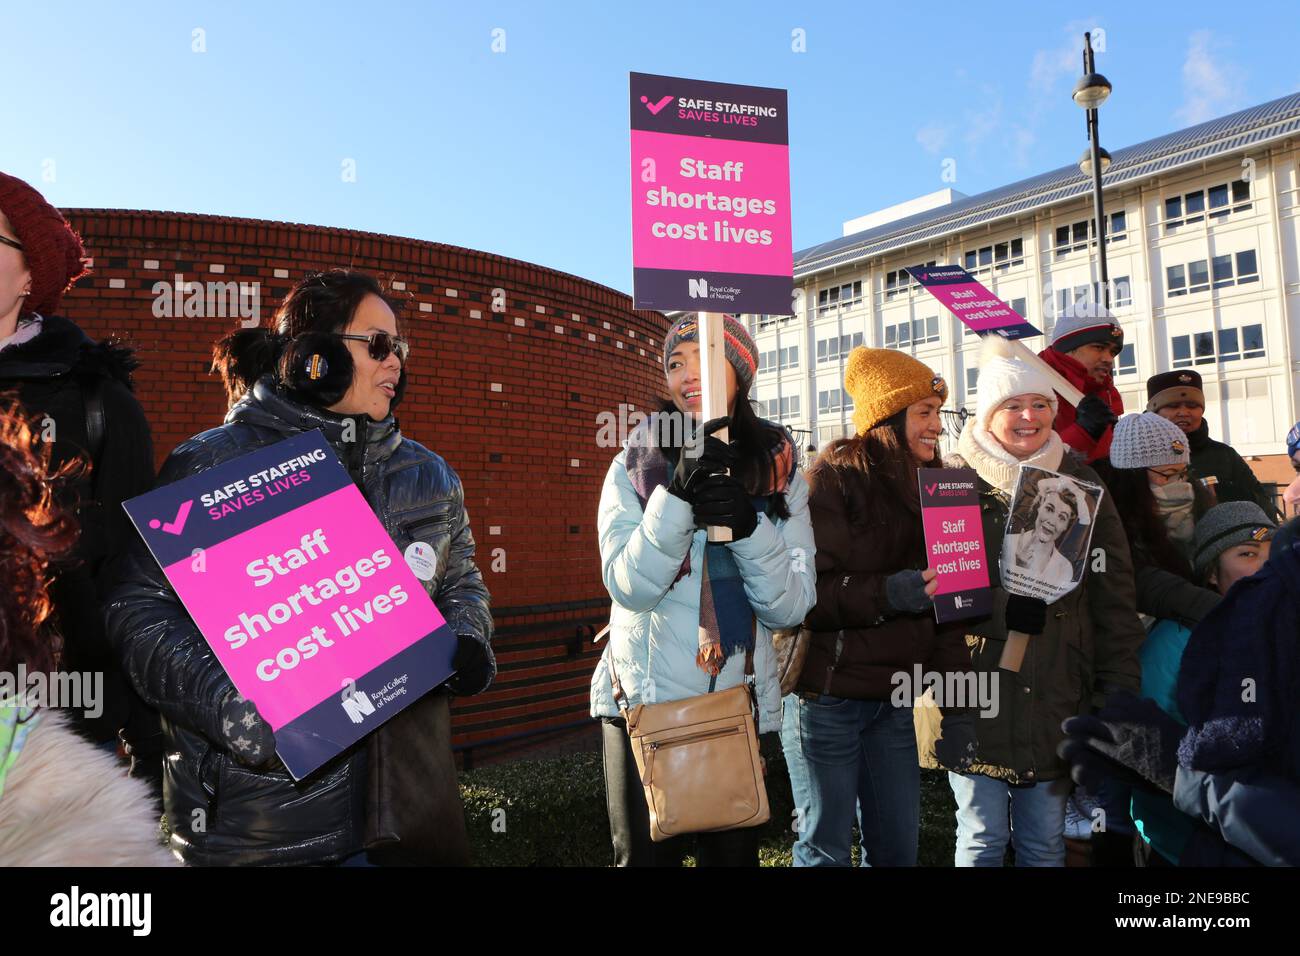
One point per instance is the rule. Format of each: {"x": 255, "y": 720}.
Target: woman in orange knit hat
{"x": 851, "y": 750}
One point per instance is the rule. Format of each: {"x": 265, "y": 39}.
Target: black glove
{"x": 473, "y": 666}
{"x": 1094, "y": 416}
{"x": 701, "y": 456}
{"x": 243, "y": 731}
{"x": 1130, "y": 738}
{"x": 722, "y": 500}
{"x": 1028, "y": 615}
{"x": 957, "y": 748}
{"x": 905, "y": 592}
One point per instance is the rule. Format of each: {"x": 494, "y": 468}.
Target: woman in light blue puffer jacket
{"x": 666, "y": 642}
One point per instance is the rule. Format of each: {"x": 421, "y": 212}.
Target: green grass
{"x": 552, "y": 813}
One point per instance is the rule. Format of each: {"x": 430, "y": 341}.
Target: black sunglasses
{"x": 382, "y": 344}
{"x": 5, "y": 240}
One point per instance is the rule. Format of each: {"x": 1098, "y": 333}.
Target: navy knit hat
{"x": 1226, "y": 526}
{"x": 1083, "y": 323}
{"x": 1180, "y": 385}
{"x": 1293, "y": 440}
{"x": 740, "y": 349}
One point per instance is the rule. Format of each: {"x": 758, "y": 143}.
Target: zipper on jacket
{"x": 688, "y": 738}
{"x": 830, "y": 668}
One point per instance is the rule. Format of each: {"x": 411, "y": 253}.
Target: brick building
{"x": 511, "y": 366}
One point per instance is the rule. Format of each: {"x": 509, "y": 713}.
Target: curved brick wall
{"x": 509, "y": 398}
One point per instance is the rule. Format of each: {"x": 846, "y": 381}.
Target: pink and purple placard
{"x": 954, "y": 542}
{"x": 308, "y": 604}
{"x": 710, "y": 197}
{"x": 979, "y": 309}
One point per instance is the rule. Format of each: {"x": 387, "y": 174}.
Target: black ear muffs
{"x": 317, "y": 368}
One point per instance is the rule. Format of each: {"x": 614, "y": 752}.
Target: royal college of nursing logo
{"x": 936, "y": 383}
{"x": 1177, "y": 446}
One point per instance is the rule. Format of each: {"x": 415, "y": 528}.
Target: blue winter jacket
{"x": 1249, "y": 801}
{"x": 654, "y": 623}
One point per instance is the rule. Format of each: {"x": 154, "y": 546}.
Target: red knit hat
{"x": 52, "y": 249}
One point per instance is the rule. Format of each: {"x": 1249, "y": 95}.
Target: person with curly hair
{"x": 63, "y": 801}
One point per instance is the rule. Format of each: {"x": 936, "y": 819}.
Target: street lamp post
{"x": 1090, "y": 92}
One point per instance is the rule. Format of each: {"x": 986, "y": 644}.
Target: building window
{"x": 1126, "y": 363}
{"x": 837, "y": 347}
{"x": 779, "y": 409}
{"x": 972, "y": 381}
{"x": 903, "y": 335}
{"x": 1196, "y": 276}
{"x": 766, "y": 322}
{"x": 1121, "y": 291}
{"x": 1187, "y": 209}
{"x": 1247, "y": 270}
{"x": 776, "y": 359}
{"x": 833, "y": 400}
{"x": 1000, "y": 256}
{"x": 839, "y": 297}
{"x": 1176, "y": 280}
{"x": 1076, "y": 236}
{"x": 1228, "y": 345}
{"x": 829, "y": 433}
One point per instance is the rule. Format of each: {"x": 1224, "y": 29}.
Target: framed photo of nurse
{"x": 1049, "y": 530}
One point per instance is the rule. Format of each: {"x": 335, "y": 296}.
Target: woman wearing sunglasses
{"x": 334, "y": 362}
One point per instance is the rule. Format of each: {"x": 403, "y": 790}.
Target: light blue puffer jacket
{"x": 654, "y": 625}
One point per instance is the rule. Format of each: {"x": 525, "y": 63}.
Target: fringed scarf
{"x": 726, "y": 618}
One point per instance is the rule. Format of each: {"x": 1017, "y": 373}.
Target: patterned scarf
{"x": 726, "y": 618}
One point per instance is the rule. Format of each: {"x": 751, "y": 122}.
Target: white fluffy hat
{"x": 1004, "y": 374}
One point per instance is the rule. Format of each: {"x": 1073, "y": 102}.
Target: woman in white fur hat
{"x": 1081, "y": 645}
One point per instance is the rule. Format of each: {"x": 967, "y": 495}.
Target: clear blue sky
{"x": 525, "y": 152}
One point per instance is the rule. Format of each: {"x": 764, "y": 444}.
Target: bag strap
{"x": 620, "y": 698}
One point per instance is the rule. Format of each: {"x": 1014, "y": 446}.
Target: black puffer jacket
{"x": 263, "y": 817}
{"x": 56, "y": 378}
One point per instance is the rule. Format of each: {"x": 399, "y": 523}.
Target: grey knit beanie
{"x": 1226, "y": 526}
{"x": 1085, "y": 322}
{"x": 1148, "y": 440}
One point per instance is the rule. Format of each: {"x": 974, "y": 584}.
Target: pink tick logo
{"x": 176, "y": 525}
{"x": 929, "y": 489}
{"x": 654, "y": 108}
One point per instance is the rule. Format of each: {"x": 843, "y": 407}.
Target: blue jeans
{"x": 847, "y": 759}
{"x": 990, "y": 813}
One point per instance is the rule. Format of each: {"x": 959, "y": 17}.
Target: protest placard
{"x": 710, "y": 197}
{"x": 1045, "y": 547}
{"x": 984, "y": 313}
{"x": 304, "y": 598}
{"x": 954, "y": 542}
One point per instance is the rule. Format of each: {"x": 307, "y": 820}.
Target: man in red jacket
{"x": 1084, "y": 345}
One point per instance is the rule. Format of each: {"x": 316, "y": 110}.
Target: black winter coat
{"x": 263, "y": 816}
{"x": 51, "y": 375}
{"x": 1236, "y": 482}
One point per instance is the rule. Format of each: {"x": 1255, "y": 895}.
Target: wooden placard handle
{"x": 713, "y": 387}
{"x": 1013, "y": 652}
{"x": 1059, "y": 381}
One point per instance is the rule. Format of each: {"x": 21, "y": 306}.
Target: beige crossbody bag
{"x": 698, "y": 758}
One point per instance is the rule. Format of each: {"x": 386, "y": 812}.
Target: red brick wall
{"x": 513, "y": 449}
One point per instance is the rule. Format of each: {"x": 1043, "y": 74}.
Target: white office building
{"x": 1203, "y": 254}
